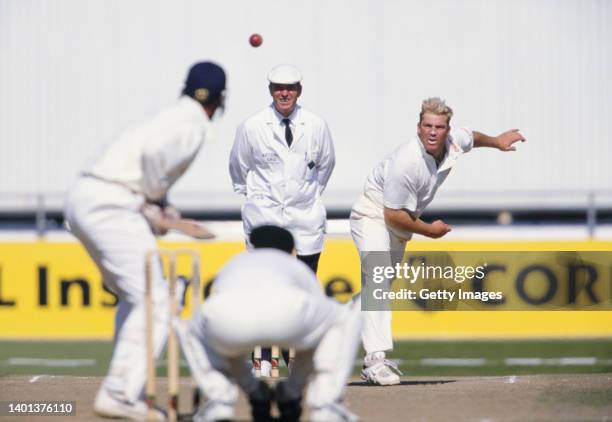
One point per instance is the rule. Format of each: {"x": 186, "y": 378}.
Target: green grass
{"x": 496, "y": 351}
{"x": 99, "y": 350}
{"x": 410, "y": 353}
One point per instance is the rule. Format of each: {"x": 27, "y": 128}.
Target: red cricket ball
{"x": 255, "y": 40}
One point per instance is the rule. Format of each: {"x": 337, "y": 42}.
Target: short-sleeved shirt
{"x": 409, "y": 177}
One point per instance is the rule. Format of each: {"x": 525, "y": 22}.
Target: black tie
{"x": 288, "y": 134}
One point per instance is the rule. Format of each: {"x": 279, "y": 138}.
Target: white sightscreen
{"x": 73, "y": 73}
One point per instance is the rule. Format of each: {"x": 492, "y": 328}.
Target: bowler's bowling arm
{"x": 404, "y": 220}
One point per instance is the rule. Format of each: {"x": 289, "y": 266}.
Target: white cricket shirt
{"x": 408, "y": 177}
{"x": 268, "y": 270}
{"x": 149, "y": 157}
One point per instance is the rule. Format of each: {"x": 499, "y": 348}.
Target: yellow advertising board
{"x": 54, "y": 290}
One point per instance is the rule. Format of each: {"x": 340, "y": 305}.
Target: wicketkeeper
{"x": 266, "y": 296}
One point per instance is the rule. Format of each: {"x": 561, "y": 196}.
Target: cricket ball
{"x": 255, "y": 40}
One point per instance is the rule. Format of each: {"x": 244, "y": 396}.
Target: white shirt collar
{"x": 293, "y": 116}
{"x": 448, "y": 153}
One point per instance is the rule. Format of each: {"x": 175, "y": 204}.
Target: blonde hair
{"x": 435, "y": 105}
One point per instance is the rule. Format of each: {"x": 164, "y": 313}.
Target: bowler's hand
{"x": 438, "y": 229}
{"x": 506, "y": 141}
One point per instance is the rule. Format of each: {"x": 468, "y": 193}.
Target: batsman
{"x": 118, "y": 205}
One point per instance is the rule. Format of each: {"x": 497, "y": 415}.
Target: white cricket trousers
{"x": 372, "y": 235}
{"x": 105, "y": 217}
{"x": 324, "y": 333}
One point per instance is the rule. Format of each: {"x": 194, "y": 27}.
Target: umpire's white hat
{"x": 285, "y": 74}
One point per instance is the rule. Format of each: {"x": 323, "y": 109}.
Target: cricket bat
{"x": 189, "y": 227}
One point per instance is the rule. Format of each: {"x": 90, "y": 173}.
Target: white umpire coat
{"x": 282, "y": 184}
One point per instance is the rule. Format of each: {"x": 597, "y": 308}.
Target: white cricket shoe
{"x": 379, "y": 371}
{"x": 335, "y": 412}
{"x": 110, "y": 404}
{"x": 214, "y": 411}
{"x": 266, "y": 369}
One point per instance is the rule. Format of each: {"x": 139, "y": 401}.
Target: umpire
{"x": 281, "y": 161}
